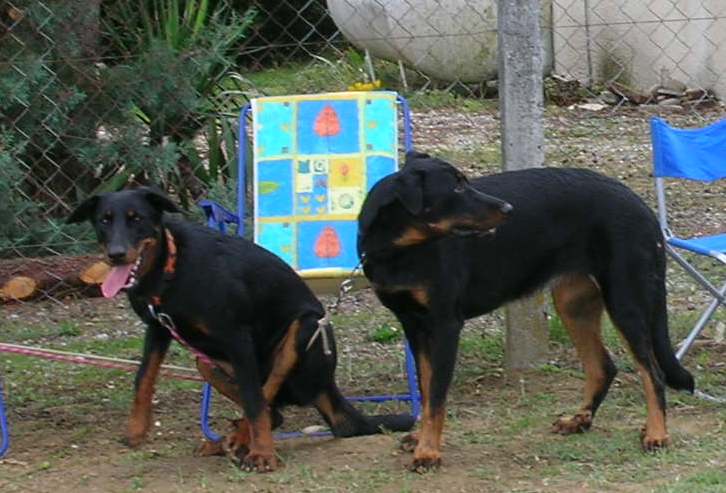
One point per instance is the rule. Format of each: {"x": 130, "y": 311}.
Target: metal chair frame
{"x": 219, "y": 217}
{"x": 674, "y": 243}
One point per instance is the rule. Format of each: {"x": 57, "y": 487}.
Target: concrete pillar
{"x": 521, "y": 106}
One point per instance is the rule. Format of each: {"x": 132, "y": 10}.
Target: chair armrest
{"x": 217, "y": 216}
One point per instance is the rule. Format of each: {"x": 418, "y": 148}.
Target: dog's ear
{"x": 159, "y": 200}
{"x": 409, "y": 191}
{"x": 84, "y": 211}
{"x": 404, "y": 187}
{"x": 378, "y": 197}
{"x": 413, "y": 155}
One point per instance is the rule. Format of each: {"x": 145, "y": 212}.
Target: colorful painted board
{"x": 315, "y": 158}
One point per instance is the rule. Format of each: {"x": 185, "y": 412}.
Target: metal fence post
{"x": 521, "y": 107}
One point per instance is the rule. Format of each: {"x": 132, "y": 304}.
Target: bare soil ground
{"x": 66, "y": 421}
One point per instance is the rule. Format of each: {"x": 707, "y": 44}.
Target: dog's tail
{"x": 346, "y": 421}
{"x": 676, "y": 376}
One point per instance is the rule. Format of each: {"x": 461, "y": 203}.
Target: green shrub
{"x": 156, "y": 112}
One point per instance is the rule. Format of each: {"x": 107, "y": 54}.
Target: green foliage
{"x": 176, "y": 86}
{"x": 386, "y": 334}
{"x": 43, "y": 122}
{"x": 157, "y": 111}
{"x": 69, "y": 329}
{"x": 482, "y": 347}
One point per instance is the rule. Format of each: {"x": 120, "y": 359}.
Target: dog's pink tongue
{"x": 116, "y": 280}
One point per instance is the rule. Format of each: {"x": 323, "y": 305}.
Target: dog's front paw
{"x": 236, "y": 446}
{"x": 424, "y": 461}
{"x": 579, "y": 423}
{"x": 653, "y": 442}
{"x": 260, "y": 461}
{"x": 136, "y": 433}
{"x": 138, "y": 427}
{"x": 134, "y": 440}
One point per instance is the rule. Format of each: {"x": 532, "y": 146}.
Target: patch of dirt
{"x": 66, "y": 429}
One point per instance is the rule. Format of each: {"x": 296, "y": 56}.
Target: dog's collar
{"x": 164, "y": 319}
{"x": 169, "y": 264}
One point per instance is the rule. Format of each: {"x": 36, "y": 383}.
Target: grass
{"x": 386, "y": 333}
{"x": 333, "y": 73}
{"x": 66, "y": 421}
{"x": 496, "y": 437}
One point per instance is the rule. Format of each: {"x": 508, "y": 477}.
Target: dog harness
{"x": 165, "y": 319}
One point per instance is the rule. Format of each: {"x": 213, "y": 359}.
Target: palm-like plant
{"x": 180, "y": 59}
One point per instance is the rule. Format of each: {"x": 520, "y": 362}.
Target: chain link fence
{"x": 97, "y": 95}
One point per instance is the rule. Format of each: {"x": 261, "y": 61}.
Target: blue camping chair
{"x": 4, "y": 432}
{"x": 314, "y": 158}
{"x": 691, "y": 154}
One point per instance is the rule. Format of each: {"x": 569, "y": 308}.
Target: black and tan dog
{"x": 427, "y": 239}
{"x": 234, "y": 303}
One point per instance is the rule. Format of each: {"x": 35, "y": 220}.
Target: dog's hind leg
{"x": 579, "y": 303}
{"x": 222, "y": 381}
{"x": 283, "y": 361}
{"x": 629, "y": 306}
{"x": 344, "y": 420}
{"x": 347, "y": 421}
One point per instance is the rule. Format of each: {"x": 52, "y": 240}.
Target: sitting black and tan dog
{"x": 245, "y": 313}
{"x": 440, "y": 249}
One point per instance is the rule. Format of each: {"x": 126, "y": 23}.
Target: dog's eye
{"x": 105, "y": 219}
{"x": 460, "y": 187}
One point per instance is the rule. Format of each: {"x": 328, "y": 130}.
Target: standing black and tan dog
{"x": 234, "y": 303}
{"x": 429, "y": 246}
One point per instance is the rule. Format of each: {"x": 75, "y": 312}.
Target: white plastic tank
{"x": 451, "y": 40}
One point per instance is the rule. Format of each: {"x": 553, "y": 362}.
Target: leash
{"x": 325, "y": 323}
{"x": 164, "y": 319}
{"x": 178, "y": 372}
{"x": 167, "y": 322}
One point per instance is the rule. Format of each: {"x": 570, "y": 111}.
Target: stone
{"x": 696, "y": 93}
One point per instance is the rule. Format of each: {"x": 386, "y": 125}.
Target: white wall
{"x": 676, "y": 38}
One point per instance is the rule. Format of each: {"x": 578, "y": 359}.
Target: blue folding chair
{"x": 314, "y": 157}
{"x": 4, "y": 432}
{"x": 700, "y": 155}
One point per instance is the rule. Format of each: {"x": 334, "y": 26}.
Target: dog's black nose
{"x": 506, "y": 208}
{"x": 117, "y": 255}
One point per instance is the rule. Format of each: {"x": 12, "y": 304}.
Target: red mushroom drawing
{"x": 328, "y": 243}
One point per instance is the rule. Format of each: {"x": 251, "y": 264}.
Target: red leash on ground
{"x": 93, "y": 360}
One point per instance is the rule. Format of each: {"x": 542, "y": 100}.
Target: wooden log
{"x": 18, "y": 289}
{"x": 95, "y": 274}
{"x": 51, "y": 277}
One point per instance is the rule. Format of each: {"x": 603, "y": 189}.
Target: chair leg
{"x": 702, "y": 321}
{"x": 719, "y": 299}
{"x": 204, "y": 414}
{"x": 4, "y": 431}
{"x": 206, "y": 403}
{"x": 412, "y": 381}
{"x": 719, "y": 295}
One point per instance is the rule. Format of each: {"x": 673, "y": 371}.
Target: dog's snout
{"x": 117, "y": 255}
